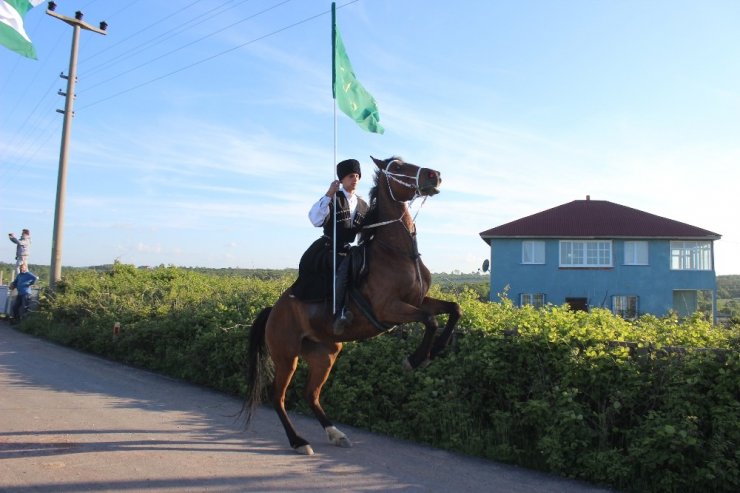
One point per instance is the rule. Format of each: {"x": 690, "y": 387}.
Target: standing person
{"x": 315, "y": 277}
{"x": 22, "y": 249}
{"x": 23, "y": 282}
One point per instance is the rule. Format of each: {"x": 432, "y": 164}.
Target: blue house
{"x": 595, "y": 253}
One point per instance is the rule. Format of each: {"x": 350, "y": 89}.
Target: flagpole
{"x": 333, "y": 172}
{"x": 355, "y": 102}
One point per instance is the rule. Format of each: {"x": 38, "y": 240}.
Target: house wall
{"x": 653, "y": 283}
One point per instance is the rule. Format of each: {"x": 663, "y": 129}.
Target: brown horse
{"x": 395, "y": 289}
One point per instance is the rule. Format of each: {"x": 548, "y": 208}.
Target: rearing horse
{"x": 395, "y": 289}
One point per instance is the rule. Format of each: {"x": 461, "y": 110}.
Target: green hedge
{"x": 639, "y": 406}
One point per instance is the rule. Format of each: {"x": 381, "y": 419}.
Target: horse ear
{"x": 380, "y": 164}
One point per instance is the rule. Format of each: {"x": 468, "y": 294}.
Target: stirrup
{"x": 343, "y": 321}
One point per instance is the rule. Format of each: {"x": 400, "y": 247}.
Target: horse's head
{"x": 407, "y": 181}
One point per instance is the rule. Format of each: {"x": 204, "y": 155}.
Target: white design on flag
{"x": 11, "y": 14}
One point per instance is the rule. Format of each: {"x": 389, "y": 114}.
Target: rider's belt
{"x": 341, "y": 249}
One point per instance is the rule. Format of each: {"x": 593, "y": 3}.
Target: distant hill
{"x": 728, "y": 287}
{"x": 43, "y": 271}
{"x": 454, "y": 279}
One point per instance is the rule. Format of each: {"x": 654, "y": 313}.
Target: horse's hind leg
{"x": 284, "y": 369}
{"x": 320, "y": 360}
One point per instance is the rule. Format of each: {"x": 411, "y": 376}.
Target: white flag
{"x": 12, "y": 34}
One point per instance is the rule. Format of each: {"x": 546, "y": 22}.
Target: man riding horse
{"x": 393, "y": 292}
{"x": 314, "y": 281}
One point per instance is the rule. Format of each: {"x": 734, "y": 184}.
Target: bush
{"x": 640, "y": 406}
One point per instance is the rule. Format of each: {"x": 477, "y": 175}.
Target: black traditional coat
{"x": 315, "y": 277}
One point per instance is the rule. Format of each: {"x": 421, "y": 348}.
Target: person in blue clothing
{"x": 22, "y": 283}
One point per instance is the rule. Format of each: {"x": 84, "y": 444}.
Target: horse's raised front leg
{"x": 399, "y": 312}
{"x": 439, "y": 307}
{"x": 320, "y": 359}
{"x": 422, "y": 354}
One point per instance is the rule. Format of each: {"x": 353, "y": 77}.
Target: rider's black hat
{"x": 348, "y": 166}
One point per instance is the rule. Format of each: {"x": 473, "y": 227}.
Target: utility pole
{"x": 57, "y": 239}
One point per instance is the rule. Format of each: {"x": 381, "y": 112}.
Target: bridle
{"x": 392, "y": 177}
{"x": 415, "y": 256}
{"x": 417, "y": 193}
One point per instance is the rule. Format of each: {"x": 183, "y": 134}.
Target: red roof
{"x": 596, "y": 219}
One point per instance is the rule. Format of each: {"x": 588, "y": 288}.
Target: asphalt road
{"x": 73, "y": 422}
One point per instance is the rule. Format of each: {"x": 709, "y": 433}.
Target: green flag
{"x": 12, "y": 33}
{"x": 352, "y": 98}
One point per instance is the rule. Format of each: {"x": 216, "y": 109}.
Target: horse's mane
{"x": 372, "y": 214}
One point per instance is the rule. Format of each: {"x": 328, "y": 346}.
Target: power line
{"x": 188, "y": 44}
{"x": 114, "y": 14}
{"x": 25, "y": 147}
{"x": 150, "y": 43}
{"x": 33, "y": 145}
{"x": 153, "y": 24}
{"x": 35, "y": 75}
{"x": 26, "y": 141}
{"x": 25, "y": 121}
{"x": 44, "y": 135}
{"x": 203, "y": 60}
{"x": 18, "y": 59}
{"x": 34, "y": 115}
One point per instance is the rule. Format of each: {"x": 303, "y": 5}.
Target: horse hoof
{"x": 406, "y": 363}
{"x": 304, "y": 450}
{"x": 337, "y": 438}
{"x": 344, "y": 443}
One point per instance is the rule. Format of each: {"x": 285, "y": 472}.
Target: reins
{"x": 399, "y": 220}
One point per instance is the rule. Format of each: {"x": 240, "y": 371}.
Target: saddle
{"x": 314, "y": 282}
{"x": 315, "y": 289}
{"x": 358, "y": 265}
{"x": 359, "y": 268}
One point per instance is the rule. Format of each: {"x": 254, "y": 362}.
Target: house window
{"x": 691, "y": 255}
{"x": 577, "y": 304}
{"x": 535, "y": 299}
{"x": 533, "y": 252}
{"x": 635, "y": 253}
{"x": 586, "y": 253}
{"x": 688, "y": 301}
{"x": 625, "y": 306}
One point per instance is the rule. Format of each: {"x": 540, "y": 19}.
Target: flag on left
{"x": 12, "y": 34}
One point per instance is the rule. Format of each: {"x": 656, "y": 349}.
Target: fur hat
{"x": 348, "y": 166}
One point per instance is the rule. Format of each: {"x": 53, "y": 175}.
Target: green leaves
{"x": 650, "y": 405}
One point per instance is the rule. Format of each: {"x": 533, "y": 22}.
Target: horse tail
{"x": 255, "y": 371}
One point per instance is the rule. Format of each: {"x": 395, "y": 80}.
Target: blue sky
{"x": 204, "y": 131}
